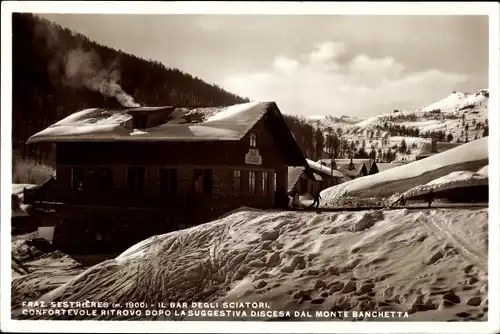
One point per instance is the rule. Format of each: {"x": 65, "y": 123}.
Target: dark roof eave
{"x": 126, "y": 140}
{"x": 293, "y": 153}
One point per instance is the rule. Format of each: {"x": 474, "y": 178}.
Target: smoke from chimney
{"x": 84, "y": 69}
{"x": 79, "y": 68}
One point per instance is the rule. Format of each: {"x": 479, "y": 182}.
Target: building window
{"x": 203, "y": 183}
{"x": 207, "y": 181}
{"x": 251, "y": 183}
{"x": 253, "y": 139}
{"x": 168, "y": 180}
{"x": 237, "y": 182}
{"x": 105, "y": 179}
{"x": 135, "y": 179}
{"x": 275, "y": 182}
{"x": 76, "y": 175}
{"x": 265, "y": 184}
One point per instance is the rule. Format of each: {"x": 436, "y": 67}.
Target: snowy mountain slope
{"x": 458, "y": 100}
{"x": 461, "y": 117}
{"x": 451, "y": 110}
{"x": 351, "y": 261}
{"x": 332, "y": 121}
{"x": 467, "y": 157}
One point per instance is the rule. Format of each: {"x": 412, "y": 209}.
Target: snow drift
{"x": 467, "y": 157}
{"x": 450, "y": 181}
{"x": 396, "y": 260}
{"x": 483, "y": 171}
{"x": 47, "y": 270}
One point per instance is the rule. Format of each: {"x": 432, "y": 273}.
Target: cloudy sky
{"x": 310, "y": 65}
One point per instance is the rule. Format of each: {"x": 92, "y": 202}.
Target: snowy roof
{"x": 169, "y": 123}
{"x": 317, "y": 177}
{"x": 294, "y": 174}
{"x": 176, "y": 123}
{"x": 369, "y": 163}
{"x": 399, "y": 180}
{"x": 17, "y": 188}
{"x": 319, "y": 168}
{"x": 344, "y": 169}
{"x": 426, "y": 148}
{"x": 453, "y": 180}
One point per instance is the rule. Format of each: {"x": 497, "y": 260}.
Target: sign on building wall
{"x": 253, "y": 157}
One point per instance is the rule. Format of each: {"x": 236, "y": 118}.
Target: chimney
{"x": 351, "y": 165}
{"x": 434, "y": 145}
{"x": 333, "y": 164}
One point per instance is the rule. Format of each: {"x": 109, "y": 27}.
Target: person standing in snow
{"x": 317, "y": 198}
{"x": 430, "y": 198}
{"x": 295, "y": 199}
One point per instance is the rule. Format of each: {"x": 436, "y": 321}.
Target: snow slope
{"x": 470, "y": 156}
{"x": 458, "y": 100}
{"x": 397, "y": 260}
{"x": 47, "y": 271}
{"x": 333, "y": 122}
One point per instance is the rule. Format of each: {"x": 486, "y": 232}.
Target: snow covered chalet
{"x": 124, "y": 175}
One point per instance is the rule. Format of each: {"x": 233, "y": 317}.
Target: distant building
{"x": 124, "y": 175}
{"x": 315, "y": 177}
{"x": 353, "y": 168}
{"x": 434, "y": 147}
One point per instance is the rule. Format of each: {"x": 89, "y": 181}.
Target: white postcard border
{"x": 288, "y": 8}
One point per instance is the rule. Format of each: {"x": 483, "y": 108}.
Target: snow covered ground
{"x": 47, "y": 271}
{"x": 467, "y": 157}
{"x": 427, "y": 265}
{"x": 431, "y": 265}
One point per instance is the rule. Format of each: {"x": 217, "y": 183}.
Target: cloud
{"x": 322, "y": 85}
{"x": 327, "y": 51}
{"x": 285, "y": 64}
